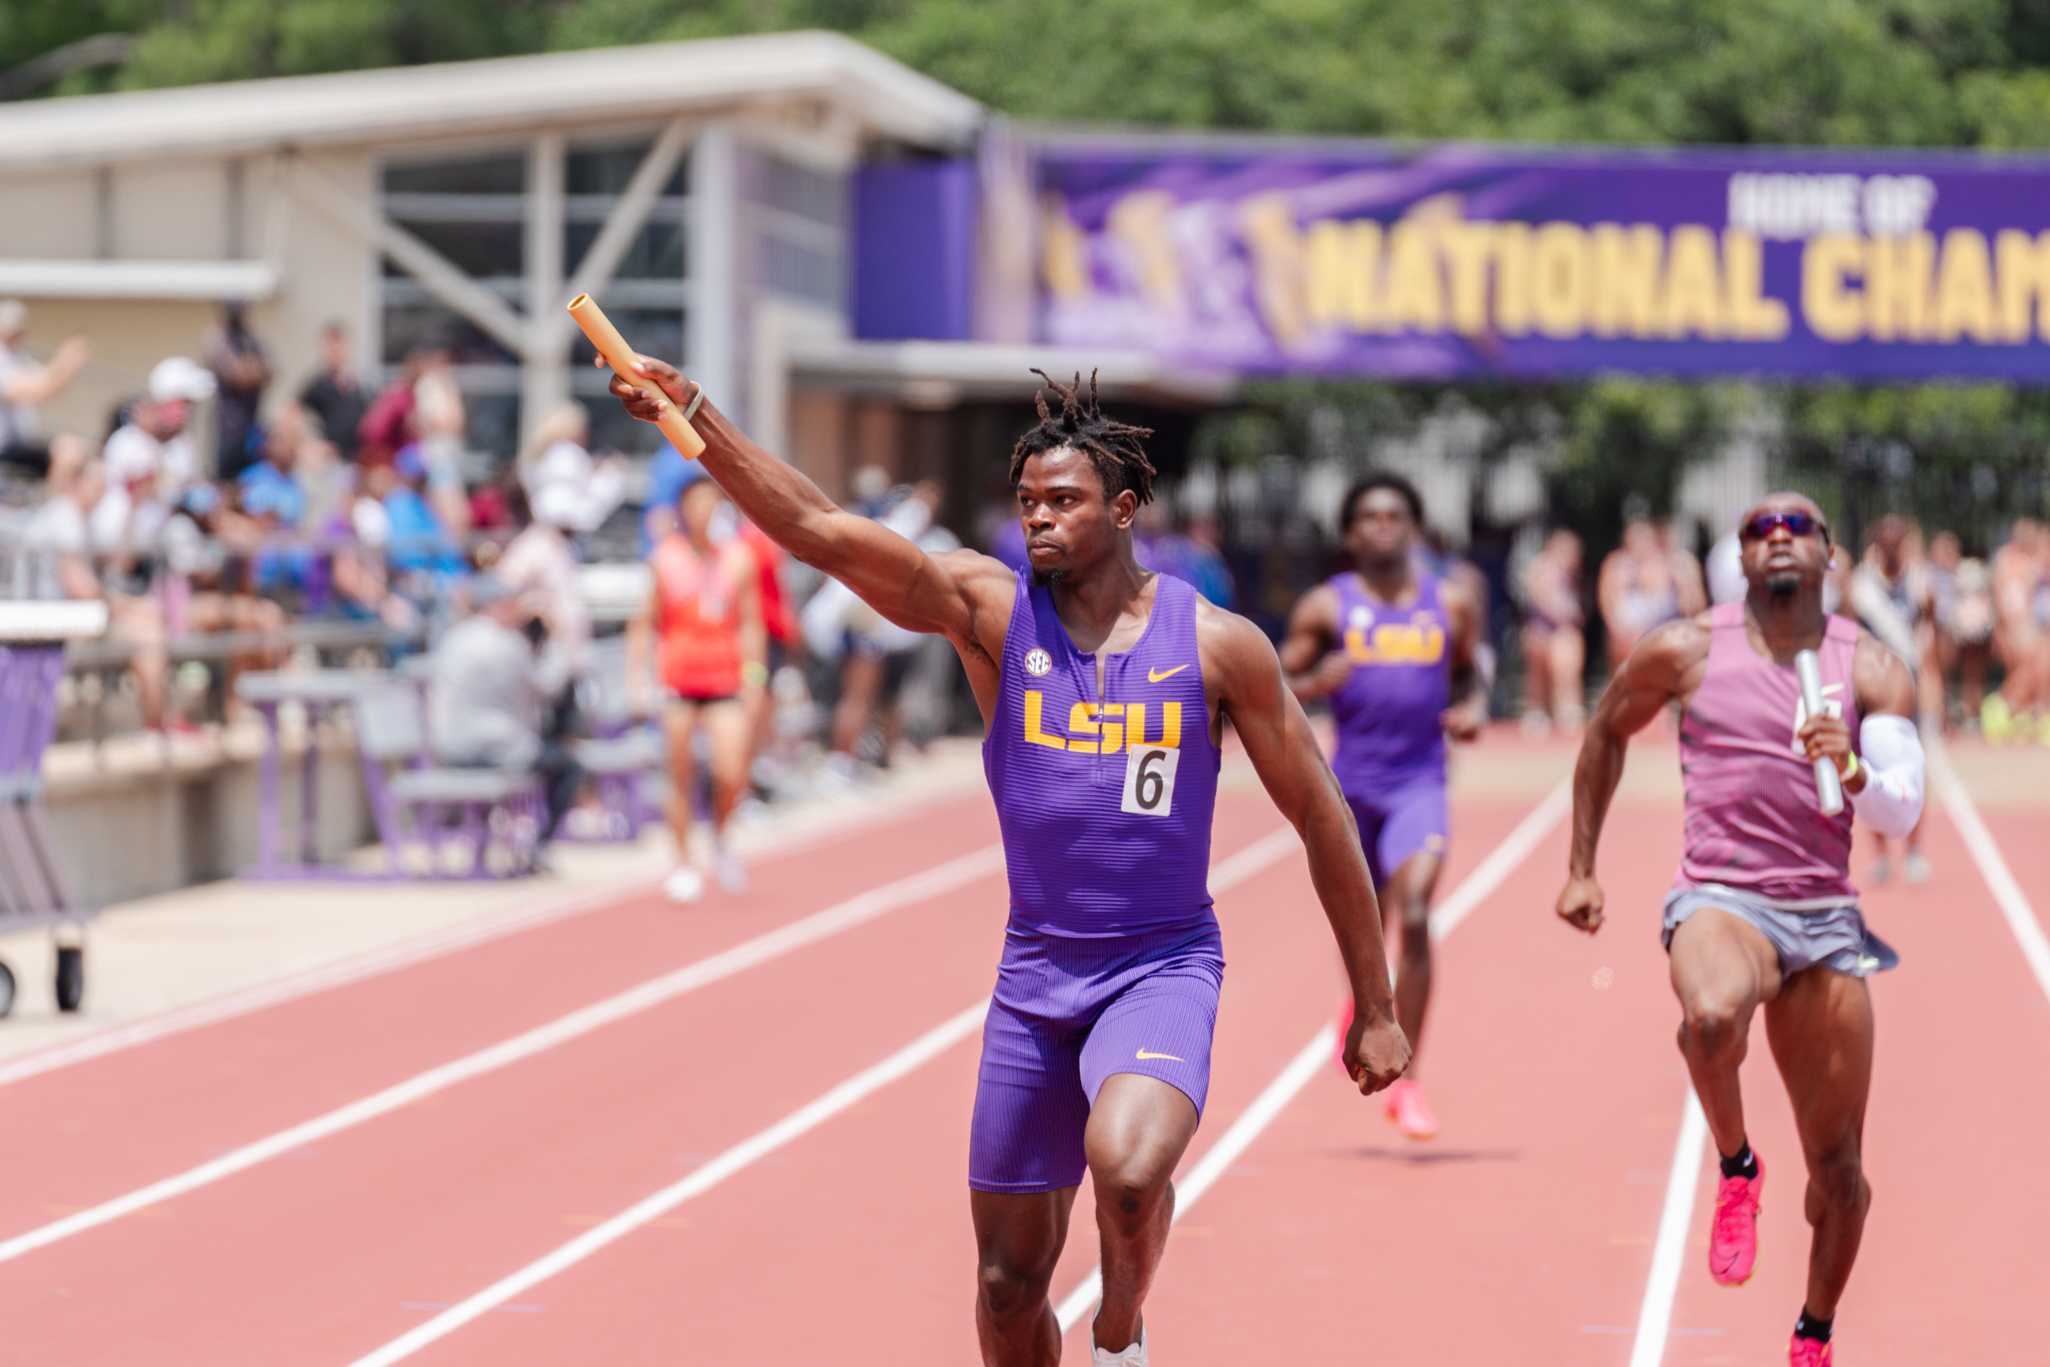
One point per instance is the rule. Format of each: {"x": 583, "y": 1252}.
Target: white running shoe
{"x": 1917, "y": 869}
{"x": 684, "y": 885}
{"x": 1133, "y": 1355}
{"x": 731, "y": 873}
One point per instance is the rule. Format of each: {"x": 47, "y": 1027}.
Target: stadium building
{"x": 710, "y": 194}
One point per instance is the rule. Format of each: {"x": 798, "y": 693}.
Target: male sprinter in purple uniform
{"x": 1391, "y": 645}
{"x": 1763, "y": 913}
{"x": 1104, "y": 689}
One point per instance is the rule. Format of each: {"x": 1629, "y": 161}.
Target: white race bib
{"x": 1149, "y": 780}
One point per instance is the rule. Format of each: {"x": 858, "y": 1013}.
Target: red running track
{"x": 1524, "y": 1234}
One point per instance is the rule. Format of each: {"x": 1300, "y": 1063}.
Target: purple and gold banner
{"x": 1467, "y": 262}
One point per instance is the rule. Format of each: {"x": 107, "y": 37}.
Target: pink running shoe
{"x": 1733, "y": 1234}
{"x": 1808, "y": 1353}
{"x": 1409, "y": 1112}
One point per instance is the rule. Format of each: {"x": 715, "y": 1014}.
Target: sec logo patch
{"x": 1037, "y": 662}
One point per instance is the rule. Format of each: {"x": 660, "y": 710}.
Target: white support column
{"x": 781, "y": 329}
{"x": 768, "y": 387}
{"x": 544, "y": 379}
{"x": 711, "y": 329}
{"x": 444, "y": 281}
{"x": 629, "y": 214}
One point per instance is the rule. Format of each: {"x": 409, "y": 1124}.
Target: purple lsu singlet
{"x": 1388, "y": 709}
{"x": 1752, "y": 823}
{"x": 1105, "y": 801}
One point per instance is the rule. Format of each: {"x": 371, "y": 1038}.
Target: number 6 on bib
{"x": 1149, "y": 780}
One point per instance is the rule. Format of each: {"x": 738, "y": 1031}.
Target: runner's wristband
{"x": 697, "y": 400}
{"x": 754, "y": 672}
{"x": 1851, "y": 769}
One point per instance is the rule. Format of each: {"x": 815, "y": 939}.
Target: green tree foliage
{"x": 1807, "y": 72}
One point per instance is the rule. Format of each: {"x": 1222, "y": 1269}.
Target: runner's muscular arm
{"x": 1309, "y": 656}
{"x": 1270, "y": 724}
{"x": 1660, "y": 670}
{"x": 951, "y": 593}
{"x": 1472, "y": 678}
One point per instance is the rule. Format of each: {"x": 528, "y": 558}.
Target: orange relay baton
{"x": 605, "y": 337}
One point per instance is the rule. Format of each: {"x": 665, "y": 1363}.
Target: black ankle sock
{"x": 1743, "y": 1163}
{"x": 1808, "y": 1327}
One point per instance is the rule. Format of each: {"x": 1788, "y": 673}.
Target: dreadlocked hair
{"x": 1113, "y": 447}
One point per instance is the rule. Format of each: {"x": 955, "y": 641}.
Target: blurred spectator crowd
{"x": 330, "y": 519}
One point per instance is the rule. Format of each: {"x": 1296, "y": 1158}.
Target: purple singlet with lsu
{"x": 1391, "y": 741}
{"x": 1112, "y": 961}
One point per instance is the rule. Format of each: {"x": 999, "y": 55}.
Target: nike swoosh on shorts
{"x": 1145, "y": 1054}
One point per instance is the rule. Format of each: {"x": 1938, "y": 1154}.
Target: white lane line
{"x": 1502, "y": 861}
{"x": 760, "y": 1145}
{"x": 822, "y": 925}
{"x": 2014, "y": 905}
{"x": 496, "y": 925}
{"x": 1273, "y": 1098}
{"x": 1295, "y": 1075}
{"x": 1676, "y": 1218}
{"x": 1235, "y": 869}
{"x": 355, "y": 968}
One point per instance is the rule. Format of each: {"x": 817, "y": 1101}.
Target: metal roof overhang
{"x": 882, "y": 96}
{"x": 209, "y": 281}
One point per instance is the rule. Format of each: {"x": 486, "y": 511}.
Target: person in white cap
{"x": 155, "y": 434}
{"x": 150, "y": 460}
{"x": 25, "y": 385}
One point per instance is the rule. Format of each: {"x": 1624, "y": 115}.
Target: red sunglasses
{"x": 1797, "y": 524}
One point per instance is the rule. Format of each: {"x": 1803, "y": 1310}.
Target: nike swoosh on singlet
{"x": 1156, "y": 675}
{"x": 1171, "y": 1058}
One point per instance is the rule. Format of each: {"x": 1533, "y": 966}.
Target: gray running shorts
{"x": 1835, "y": 938}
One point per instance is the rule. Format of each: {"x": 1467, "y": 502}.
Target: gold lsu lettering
{"x": 1101, "y": 728}
{"x": 1421, "y": 642}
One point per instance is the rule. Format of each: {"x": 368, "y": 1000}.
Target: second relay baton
{"x": 1829, "y": 785}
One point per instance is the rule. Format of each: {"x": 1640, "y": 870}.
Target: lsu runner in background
{"x": 1763, "y": 913}
{"x": 1104, "y": 688}
{"x": 1394, "y": 648}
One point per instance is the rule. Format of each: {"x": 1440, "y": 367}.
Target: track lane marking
{"x": 1274, "y": 1098}
{"x": 371, "y": 963}
{"x": 821, "y": 925}
{"x": 1233, "y": 870}
{"x": 2007, "y": 891}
